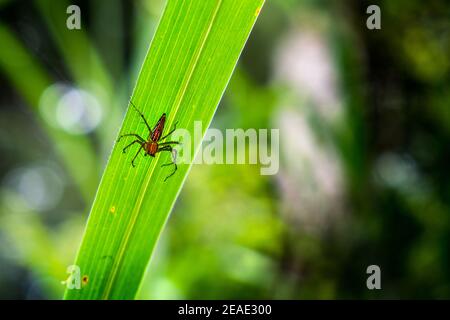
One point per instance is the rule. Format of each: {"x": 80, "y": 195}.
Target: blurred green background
{"x": 364, "y": 119}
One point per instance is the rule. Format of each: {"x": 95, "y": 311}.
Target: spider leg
{"x": 168, "y": 142}
{"x": 143, "y": 118}
{"x": 131, "y": 135}
{"x": 173, "y": 172}
{"x": 171, "y": 131}
{"x": 169, "y": 148}
{"x": 129, "y": 145}
{"x": 137, "y": 153}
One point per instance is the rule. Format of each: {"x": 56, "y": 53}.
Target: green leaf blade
{"x": 187, "y": 68}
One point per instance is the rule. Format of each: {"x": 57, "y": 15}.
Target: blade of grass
{"x": 185, "y": 72}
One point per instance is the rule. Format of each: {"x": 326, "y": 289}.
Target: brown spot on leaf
{"x": 84, "y": 280}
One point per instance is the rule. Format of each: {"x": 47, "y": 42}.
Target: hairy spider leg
{"x": 129, "y": 145}
{"x": 131, "y": 135}
{"x": 143, "y": 118}
{"x": 168, "y": 142}
{"x": 171, "y": 131}
{"x": 137, "y": 153}
{"x": 170, "y": 149}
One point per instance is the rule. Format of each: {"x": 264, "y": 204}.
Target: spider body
{"x": 154, "y": 143}
{"x": 151, "y": 148}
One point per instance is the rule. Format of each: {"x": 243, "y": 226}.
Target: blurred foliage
{"x": 364, "y": 124}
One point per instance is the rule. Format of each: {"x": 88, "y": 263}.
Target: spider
{"x": 153, "y": 145}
